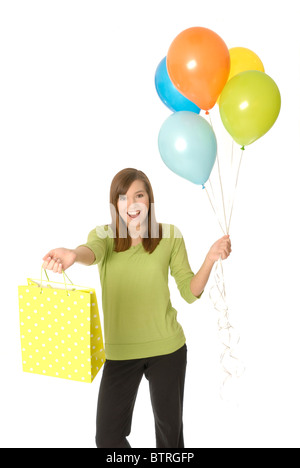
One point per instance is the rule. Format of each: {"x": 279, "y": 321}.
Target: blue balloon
{"x": 167, "y": 92}
{"x": 188, "y": 146}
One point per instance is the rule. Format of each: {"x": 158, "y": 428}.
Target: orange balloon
{"x": 198, "y": 64}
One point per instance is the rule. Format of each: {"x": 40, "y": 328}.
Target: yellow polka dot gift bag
{"x": 61, "y": 333}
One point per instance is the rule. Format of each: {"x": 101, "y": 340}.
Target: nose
{"x": 131, "y": 205}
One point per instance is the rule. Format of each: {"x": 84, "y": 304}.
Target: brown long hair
{"x": 119, "y": 186}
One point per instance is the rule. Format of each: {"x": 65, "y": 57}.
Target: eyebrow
{"x": 139, "y": 191}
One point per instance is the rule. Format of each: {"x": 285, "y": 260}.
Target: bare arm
{"x": 221, "y": 248}
{"x": 200, "y": 280}
{"x": 84, "y": 255}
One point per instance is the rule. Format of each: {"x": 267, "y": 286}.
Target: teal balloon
{"x": 188, "y": 146}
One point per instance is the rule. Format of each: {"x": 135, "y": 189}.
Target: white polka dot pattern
{"x": 61, "y": 334}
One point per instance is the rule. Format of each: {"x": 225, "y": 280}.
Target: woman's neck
{"x": 137, "y": 230}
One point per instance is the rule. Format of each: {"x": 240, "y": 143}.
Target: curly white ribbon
{"x": 230, "y": 363}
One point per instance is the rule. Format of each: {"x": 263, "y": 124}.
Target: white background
{"x": 78, "y": 104}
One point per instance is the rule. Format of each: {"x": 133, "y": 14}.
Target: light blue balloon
{"x": 169, "y": 94}
{"x": 188, "y": 146}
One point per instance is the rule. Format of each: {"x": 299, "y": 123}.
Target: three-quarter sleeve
{"x": 180, "y": 268}
{"x": 97, "y": 243}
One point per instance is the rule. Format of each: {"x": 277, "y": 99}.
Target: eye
{"x": 122, "y": 197}
{"x": 140, "y": 195}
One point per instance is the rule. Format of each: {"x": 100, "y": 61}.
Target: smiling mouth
{"x": 133, "y": 214}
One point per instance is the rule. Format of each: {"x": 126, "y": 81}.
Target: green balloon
{"x": 249, "y": 106}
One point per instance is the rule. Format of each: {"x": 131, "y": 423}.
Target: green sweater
{"x": 139, "y": 320}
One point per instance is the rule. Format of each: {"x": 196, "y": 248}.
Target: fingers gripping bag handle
{"x": 64, "y": 276}
{"x": 41, "y": 286}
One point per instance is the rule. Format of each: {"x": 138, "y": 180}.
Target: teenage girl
{"x": 142, "y": 336}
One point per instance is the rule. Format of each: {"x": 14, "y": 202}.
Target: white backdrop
{"x": 78, "y": 104}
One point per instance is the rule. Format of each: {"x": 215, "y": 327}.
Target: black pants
{"x": 117, "y": 396}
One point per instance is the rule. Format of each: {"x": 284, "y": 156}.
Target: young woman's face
{"x": 133, "y": 206}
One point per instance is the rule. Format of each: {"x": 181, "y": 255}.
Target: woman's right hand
{"x": 58, "y": 260}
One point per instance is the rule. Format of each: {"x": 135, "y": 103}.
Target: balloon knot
{"x": 206, "y": 113}
{"x": 203, "y": 187}
{"x": 243, "y": 148}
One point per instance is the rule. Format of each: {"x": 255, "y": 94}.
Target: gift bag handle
{"x": 64, "y": 276}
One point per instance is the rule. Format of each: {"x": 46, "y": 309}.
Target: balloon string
{"x": 215, "y": 210}
{"x": 220, "y": 180}
{"x": 215, "y": 202}
{"x": 230, "y": 364}
{"x": 230, "y": 197}
{"x": 236, "y": 183}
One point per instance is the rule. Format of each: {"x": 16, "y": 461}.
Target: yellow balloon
{"x": 243, "y": 59}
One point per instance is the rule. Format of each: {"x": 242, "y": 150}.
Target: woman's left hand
{"x": 221, "y": 248}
